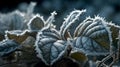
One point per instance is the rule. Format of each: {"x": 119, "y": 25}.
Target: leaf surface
{"x": 36, "y": 23}
{"x": 49, "y": 46}
{"x": 93, "y": 35}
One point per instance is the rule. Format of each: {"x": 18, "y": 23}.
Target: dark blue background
{"x": 110, "y": 9}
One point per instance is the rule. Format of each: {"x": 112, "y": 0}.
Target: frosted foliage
{"x": 36, "y": 23}
{"x": 74, "y": 15}
{"x": 7, "y": 47}
{"x": 92, "y": 37}
{"x": 19, "y": 35}
{"x": 12, "y": 21}
{"x": 88, "y": 45}
{"x": 48, "y": 45}
{"x": 95, "y": 29}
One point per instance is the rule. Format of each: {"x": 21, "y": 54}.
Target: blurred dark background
{"x": 110, "y": 9}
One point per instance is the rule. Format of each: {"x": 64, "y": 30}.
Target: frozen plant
{"x": 26, "y": 38}
{"x": 92, "y": 37}
{"x": 15, "y": 20}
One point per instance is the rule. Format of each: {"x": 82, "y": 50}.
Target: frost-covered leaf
{"x": 49, "y": 46}
{"x": 36, "y": 23}
{"x": 12, "y": 21}
{"x": 93, "y": 35}
{"x": 115, "y": 32}
{"x": 74, "y": 15}
{"x": 19, "y": 35}
{"x": 88, "y": 46}
{"x": 7, "y": 47}
{"x": 80, "y": 30}
{"x": 78, "y": 56}
{"x": 15, "y": 20}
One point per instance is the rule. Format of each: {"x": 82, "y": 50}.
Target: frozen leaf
{"x": 115, "y": 32}
{"x": 36, "y": 23}
{"x": 7, "y": 47}
{"x": 88, "y": 46}
{"x": 79, "y": 30}
{"x": 49, "y": 46}
{"x": 11, "y": 21}
{"x": 74, "y": 15}
{"x": 93, "y": 35}
{"x": 19, "y": 35}
{"x": 15, "y": 20}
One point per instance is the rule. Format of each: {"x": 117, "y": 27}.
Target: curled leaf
{"x": 49, "y": 46}
{"x": 69, "y": 21}
{"x": 7, "y": 47}
{"x": 19, "y": 35}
